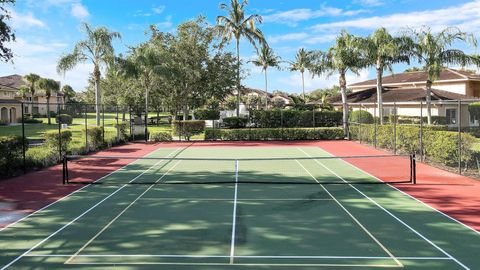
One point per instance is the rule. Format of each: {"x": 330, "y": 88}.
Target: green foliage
{"x": 295, "y": 118}
{"x": 235, "y": 122}
{"x": 64, "y": 119}
{"x": 207, "y": 114}
{"x": 7, "y": 35}
{"x": 362, "y": 117}
{"x": 52, "y": 139}
{"x": 11, "y": 148}
{"x": 95, "y": 138}
{"x": 160, "y": 136}
{"x": 262, "y": 134}
{"x": 123, "y": 131}
{"x": 230, "y": 103}
{"x": 29, "y": 120}
{"x": 188, "y": 128}
{"x": 439, "y": 145}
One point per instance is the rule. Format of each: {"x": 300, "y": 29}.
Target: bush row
{"x": 160, "y": 136}
{"x": 11, "y": 149}
{"x": 265, "y": 134}
{"x": 188, "y": 128}
{"x": 294, "y": 118}
{"x": 207, "y": 114}
{"x": 439, "y": 145}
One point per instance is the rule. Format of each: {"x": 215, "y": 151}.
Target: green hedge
{"x": 439, "y": 145}
{"x": 207, "y": 114}
{"x": 187, "y": 129}
{"x": 265, "y": 134}
{"x": 52, "y": 139}
{"x": 363, "y": 117}
{"x": 295, "y": 118}
{"x": 160, "y": 136}
{"x": 235, "y": 122}
{"x": 64, "y": 119}
{"x": 95, "y": 138}
{"x": 123, "y": 131}
{"x": 11, "y": 149}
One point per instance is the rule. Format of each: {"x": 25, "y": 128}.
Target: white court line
{"x": 234, "y": 221}
{"x": 408, "y": 195}
{"x": 70, "y": 194}
{"x": 388, "y": 212}
{"x": 119, "y": 214}
{"x": 354, "y": 219}
{"x": 246, "y": 264}
{"x": 173, "y": 199}
{"x": 80, "y": 216}
{"x": 238, "y": 256}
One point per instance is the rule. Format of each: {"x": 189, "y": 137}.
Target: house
{"x": 255, "y": 98}
{"x": 405, "y": 95}
{"x": 11, "y": 100}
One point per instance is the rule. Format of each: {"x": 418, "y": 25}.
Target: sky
{"x": 46, "y": 29}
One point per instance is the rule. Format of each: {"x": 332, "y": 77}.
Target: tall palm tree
{"x": 303, "y": 60}
{"x": 49, "y": 86}
{"x": 23, "y": 90}
{"x": 435, "y": 51}
{"x": 144, "y": 63}
{"x": 237, "y": 25}
{"x": 266, "y": 58}
{"x": 382, "y": 50}
{"x": 96, "y": 48}
{"x": 68, "y": 93}
{"x": 345, "y": 55}
{"x": 32, "y": 80}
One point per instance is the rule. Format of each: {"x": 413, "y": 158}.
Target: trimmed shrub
{"x": 95, "y": 138}
{"x": 28, "y": 120}
{"x": 295, "y": 118}
{"x": 265, "y": 134}
{"x": 41, "y": 157}
{"x": 52, "y": 139}
{"x": 3, "y": 122}
{"x": 37, "y": 115}
{"x": 160, "y": 136}
{"x": 11, "y": 148}
{"x": 362, "y": 117}
{"x": 188, "y": 128}
{"x": 207, "y": 114}
{"x": 64, "y": 119}
{"x": 235, "y": 122}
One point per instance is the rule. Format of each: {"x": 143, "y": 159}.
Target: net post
{"x": 411, "y": 167}
{"x": 59, "y": 140}
{"x": 24, "y": 140}
{"x": 414, "y": 169}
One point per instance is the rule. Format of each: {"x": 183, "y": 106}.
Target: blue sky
{"x": 47, "y": 28}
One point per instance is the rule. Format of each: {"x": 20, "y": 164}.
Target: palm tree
{"x": 68, "y": 93}
{"x": 435, "y": 52}
{"x": 144, "y": 63}
{"x": 382, "y": 50}
{"x": 302, "y": 62}
{"x": 266, "y": 58}
{"x": 96, "y": 48}
{"x": 49, "y": 86}
{"x": 237, "y": 25}
{"x": 32, "y": 79}
{"x": 23, "y": 90}
{"x": 345, "y": 55}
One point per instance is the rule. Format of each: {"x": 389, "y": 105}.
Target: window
{"x": 451, "y": 116}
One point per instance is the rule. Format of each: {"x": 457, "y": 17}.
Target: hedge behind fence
{"x": 188, "y": 128}
{"x": 11, "y": 154}
{"x": 266, "y": 134}
{"x": 295, "y": 118}
{"x": 439, "y": 145}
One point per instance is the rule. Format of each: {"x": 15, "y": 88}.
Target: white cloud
{"x": 166, "y": 24}
{"x": 466, "y": 14}
{"x": 25, "y": 20}
{"x": 370, "y": 3}
{"x": 158, "y": 10}
{"x": 79, "y": 11}
{"x": 288, "y": 37}
{"x": 294, "y": 16}
{"x": 154, "y": 11}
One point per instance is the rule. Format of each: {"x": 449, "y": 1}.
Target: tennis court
{"x": 239, "y": 208}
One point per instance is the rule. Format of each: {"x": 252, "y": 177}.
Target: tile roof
{"x": 398, "y": 95}
{"x": 420, "y": 77}
{"x": 11, "y": 82}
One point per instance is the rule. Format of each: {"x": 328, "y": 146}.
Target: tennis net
{"x": 311, "y": 170}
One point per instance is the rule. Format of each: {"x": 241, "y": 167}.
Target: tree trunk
{"x": 303, "y": 87}
{"x": 98, "y": 101}
{"x": 379, "y": 92}
{"x": 238, "y": 77}
{"x": 266, "y": 90}
{"x": 31, "y": 104}
{"x": 428, "y": 98}
{"x": 343, "y": 91}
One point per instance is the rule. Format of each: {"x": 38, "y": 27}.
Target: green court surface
{"x": 176, "y": 224}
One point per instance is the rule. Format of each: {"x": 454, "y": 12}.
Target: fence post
{"x": 281, "y": 123}
{"x": 459, "y": 113}
{"x": 146, "y": 124}
{"x": 103, "y": 124}
{"x": 313, "y": 117}
{"x": 24, "y": 140}
{"x": 59, "y": 140}
{"x": 421, "y": 131}
{"x": 118, "y": 127}
{"x": 86, "y": 127}
{"x": 394, "y": 128}
{"x": 359, "y": 124}
{"x": 375, "y": 124}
